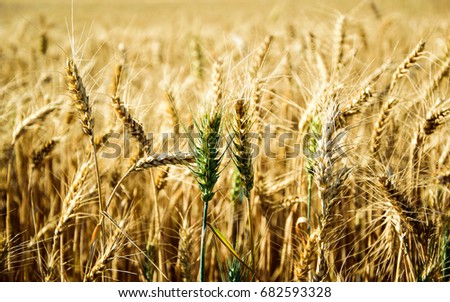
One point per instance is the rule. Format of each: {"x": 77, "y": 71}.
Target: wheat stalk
{"x": 208, "y": 155}
{"x": 70, "y": 204}
{"x": 112, "y": 247}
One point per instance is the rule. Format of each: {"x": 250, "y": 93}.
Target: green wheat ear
{"x": 310, "y": 149}
{"x": 311, "y": 144}
{"x": 208, "y": 154}
{"x": 237, "y": 191}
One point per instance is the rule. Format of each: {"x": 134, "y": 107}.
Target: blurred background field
{"x": 368, "y": 200}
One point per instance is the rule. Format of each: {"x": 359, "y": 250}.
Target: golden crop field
{"x": 225, "y": 140}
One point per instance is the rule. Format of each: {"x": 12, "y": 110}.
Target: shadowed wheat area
{"x": 224, "y": 140}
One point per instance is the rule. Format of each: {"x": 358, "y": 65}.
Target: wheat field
{"x": 225, "y": 140}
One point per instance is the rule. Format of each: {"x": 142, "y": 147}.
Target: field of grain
{"x": 224, "y": 140}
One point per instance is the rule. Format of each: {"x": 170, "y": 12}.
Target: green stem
{"x": 308, "y": 209}
{"x": 252, "y": 242}
{"x": 202, "y": 242}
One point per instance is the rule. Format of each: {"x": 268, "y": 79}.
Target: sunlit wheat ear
{"x": 399, "y": 204}
{"x": 77, "y": 92}
{"x": 260, "y": 56}
{"x": 102, "y": 139}
{"x": 164, "y": 159}
{"x": 405, "y": 66}
{"x": 326, "y": 93}
{"x": 380, "y": 125}
{"x": 171, "y": 111}
{"x": 130, "y": 123}
{"x": 34, "y": 119}
{"x": 328, "y": 174}
{"x": 338, "y": 46}
{"x": 161, "y": 177}
{"x": 357, "y": 102}
{"x": 237, "y": 190}
{"x": 116, "y": 79}
{"x": 436, "y": 116}
{"x": 364, "y": 93}
{"x": 118, "y": 72}
{"x": 307, "y": 258}
{"x": 197, "y": 58}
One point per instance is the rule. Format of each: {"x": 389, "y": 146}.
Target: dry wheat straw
{"x": 71, "y": 203}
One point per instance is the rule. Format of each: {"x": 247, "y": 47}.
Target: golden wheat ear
{"x": 77, "y": 92}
